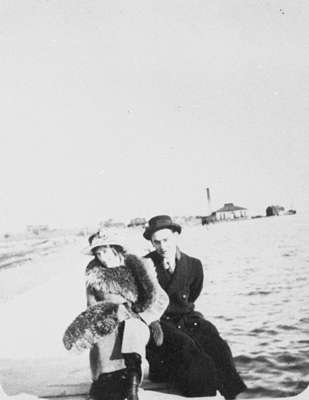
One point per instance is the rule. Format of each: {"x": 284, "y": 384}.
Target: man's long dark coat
{"x": 193, "y": 357}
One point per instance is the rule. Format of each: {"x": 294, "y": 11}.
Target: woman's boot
{"x": 111, "y": 386}
{"x": 134, "y": 374}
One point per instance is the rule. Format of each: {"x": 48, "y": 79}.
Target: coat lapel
{"x": 164, "y": 277}
{"x": 179, "y": 274}
{"x": 172, "y": 282}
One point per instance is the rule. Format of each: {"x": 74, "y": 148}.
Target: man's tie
{"x": 169, "y": 266}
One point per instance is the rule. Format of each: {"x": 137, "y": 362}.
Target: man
{"x": 193, "y": 356}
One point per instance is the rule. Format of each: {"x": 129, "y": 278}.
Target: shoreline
{"x": 255, "y": 277}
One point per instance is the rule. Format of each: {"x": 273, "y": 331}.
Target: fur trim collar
{"x": 133, "y": 281}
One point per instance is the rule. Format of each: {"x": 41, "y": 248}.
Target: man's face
{"x": 165, "y": 242}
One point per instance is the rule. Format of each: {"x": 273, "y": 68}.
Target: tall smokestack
{"x": 209, "y": 201}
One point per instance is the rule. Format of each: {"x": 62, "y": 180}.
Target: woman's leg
{"x": 135, "y": 338}
{"x": 105, "y": 356}
{"x": 108, "y": 368}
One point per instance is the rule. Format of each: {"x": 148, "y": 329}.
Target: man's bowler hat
{"x": 160, "y": 222}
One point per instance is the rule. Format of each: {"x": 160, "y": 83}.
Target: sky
{"x": 117, "y": 109}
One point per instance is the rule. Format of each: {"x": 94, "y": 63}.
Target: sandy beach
{"x": 255, "y": 292}
{"x": 117, "y": 111}
{"x": 33, "y": 358}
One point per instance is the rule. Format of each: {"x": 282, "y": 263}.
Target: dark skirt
{"x": 194, "y": 358}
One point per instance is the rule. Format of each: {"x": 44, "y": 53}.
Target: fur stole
{"x": 132, "y": 281}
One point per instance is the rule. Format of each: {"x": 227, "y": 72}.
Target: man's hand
{"x": 157, "y": 332}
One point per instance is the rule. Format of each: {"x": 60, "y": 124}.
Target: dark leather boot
{"x": 134, "y": 374}
{"x": 111, "y": 386}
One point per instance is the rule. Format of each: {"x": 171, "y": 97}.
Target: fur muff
{"x": 132, "y": 282}
{"x": 90, "y": 326}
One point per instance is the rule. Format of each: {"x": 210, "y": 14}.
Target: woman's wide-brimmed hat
{"x": 105, "y": 238}
{"x": 160, "y": 222}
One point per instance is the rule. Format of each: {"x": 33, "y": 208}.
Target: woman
{"x": 124, "y": 299}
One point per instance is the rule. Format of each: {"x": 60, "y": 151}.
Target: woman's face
{"x": 108, "y": 256}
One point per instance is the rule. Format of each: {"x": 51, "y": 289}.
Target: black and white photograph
{"x": 154, "y": 199}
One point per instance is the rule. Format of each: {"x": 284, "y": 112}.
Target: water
{"x": 23, "y": 264}
{"x": 19, "y": 251}
{"x": 256, "y": 293}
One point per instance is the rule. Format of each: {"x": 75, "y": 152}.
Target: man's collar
{"x": 177, "y": 254}
{"x": 170, "y": 264}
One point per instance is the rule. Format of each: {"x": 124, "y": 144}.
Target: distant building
{"x": 137, "y": 222}
{"x": 111, "y": 223}
{"x": 187, "y": 220}
{"x": 230, "y": 212}
{"x": 274, "y": 210}
{"x": 209, "y": 219}
{"x": 36, "y": 229}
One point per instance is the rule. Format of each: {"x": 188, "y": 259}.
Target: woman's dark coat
{"x": 193, "y": 357}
